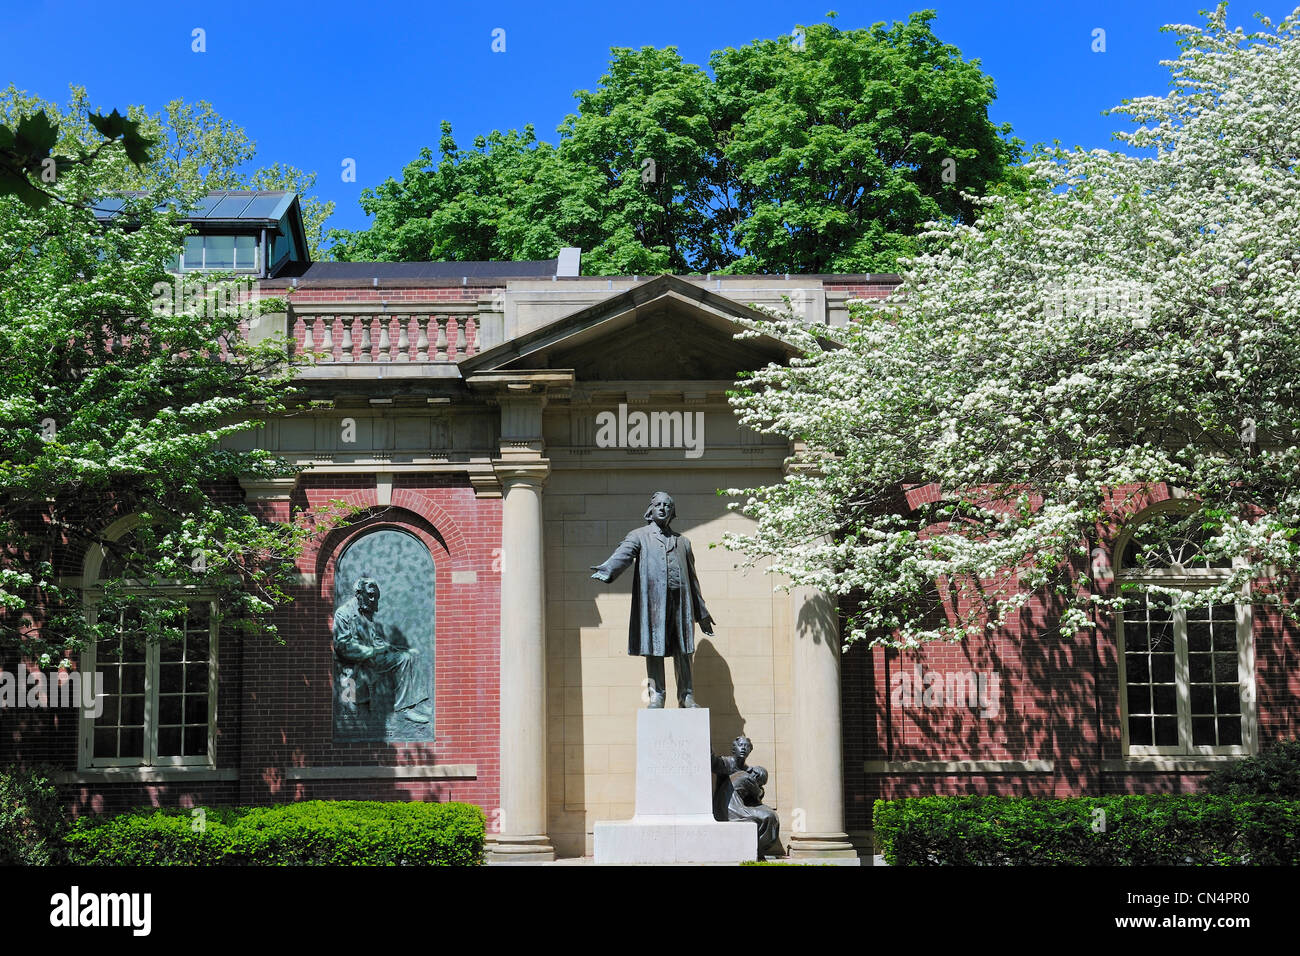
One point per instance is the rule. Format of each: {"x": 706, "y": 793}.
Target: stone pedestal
{"x": 674, "y": 799}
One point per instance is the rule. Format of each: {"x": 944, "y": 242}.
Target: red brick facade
{"x": 1060, "y": 702}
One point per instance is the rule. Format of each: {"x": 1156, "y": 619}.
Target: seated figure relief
{"x": 365, "y": 656}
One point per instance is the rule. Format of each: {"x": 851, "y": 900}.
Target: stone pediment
{"x": 667, "y": 329}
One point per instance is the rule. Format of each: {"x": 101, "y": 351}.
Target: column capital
{"x": 533, "y": 471}
{"x": 269, "y": 489}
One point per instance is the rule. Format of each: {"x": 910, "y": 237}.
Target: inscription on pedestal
{"x": 670, "y": 756}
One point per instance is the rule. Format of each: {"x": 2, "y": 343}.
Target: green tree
{"x": 1127, "y": 324}
{"x": 115, "y": 395}
{"x": 825, "y": 155}
{"x": 456, "y": 208}
{"x": 843, "y": 143}
{"x": 186, "y": 147}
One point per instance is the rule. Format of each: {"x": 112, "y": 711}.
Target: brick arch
{"x": 419, "y": 503}
{"x": 337, "y": 542}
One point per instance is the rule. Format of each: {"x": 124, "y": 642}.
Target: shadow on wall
{"x": 715, "y": 690}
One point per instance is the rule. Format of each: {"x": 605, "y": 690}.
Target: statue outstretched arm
{"x": 618, "y": 562}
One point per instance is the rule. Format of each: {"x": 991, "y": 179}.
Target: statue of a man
{"x": 666, "y": 600}
{"x": 360, "y": 640}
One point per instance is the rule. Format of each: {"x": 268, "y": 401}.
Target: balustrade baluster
{"x": 403, "y": 338}
{"x": 422, "y": 341}
{"x": 327, "y": 338}
{"x": 440, "y": 355}
{"x": 385, "y": 343}
{"x": 367, "y": 352}
{"x": 349, "y": 325}
{"x": 462, "y": 342}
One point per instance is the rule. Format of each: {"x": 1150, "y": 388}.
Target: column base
{"x": 823, "y": 847}
{"x": 509, "y": 848}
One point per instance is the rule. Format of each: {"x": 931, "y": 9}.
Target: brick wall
{"x": 1059, "y": 700}
{"x": 275, "y": 700}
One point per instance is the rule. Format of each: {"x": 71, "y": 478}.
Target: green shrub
{"x": 1274, "y": 773}
{"x": 312, "y": 833}
{"x": 32, "y": 818}
{"x": 1153, "y": 830}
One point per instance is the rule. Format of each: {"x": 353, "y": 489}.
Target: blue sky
{"x": 317, "y": 83}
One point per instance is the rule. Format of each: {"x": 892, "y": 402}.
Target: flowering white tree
{"x": 1132, "y": 321}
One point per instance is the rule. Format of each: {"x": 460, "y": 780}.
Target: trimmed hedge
{"x": 312, "y": 833}
{"x": 1148, "y": 830}
{"x": 1274, "y": 774}
{"x": 32, "y": 818}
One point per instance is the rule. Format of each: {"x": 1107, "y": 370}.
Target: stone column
{"x": 523, "y": 818}
{"x": 522, "y": 470}
{"x": 818, "y": 755}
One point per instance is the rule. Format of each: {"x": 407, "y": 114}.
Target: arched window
{"x": 1186, "y": 674}
{"x": 156, "y": 699}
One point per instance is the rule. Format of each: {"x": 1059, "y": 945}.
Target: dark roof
{"x": 263, "y": 207}
{"x": 530, "y": 269}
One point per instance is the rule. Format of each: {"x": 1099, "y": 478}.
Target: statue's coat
{"x": 650, "y": 551}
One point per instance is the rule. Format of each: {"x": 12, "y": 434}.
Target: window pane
{"x": 1166, "y": 699}
{"x": 170, "y": 650}
{"x": 133, "y": 678}
{"x": 220, "y": 252}
{"x": 1166, "y": 731}
{"x": 1202, "y": 699}
{"x": 196, "y": 679}
{"x": 1225, "y": 635}
{"x": 131, "y": 742}
{"x": 1162, "y": 668}
{"x": 1229, "y": 699}
{"x": 196, "y": 741}
{"x": 1199, "y": 670}
{"x": 169, "y": 678}
{"x": 1203, "y": 732}
{"x": 196, "y": 709}
{"x": 193, "y": 252}
{"x": 1162, "y": 637}
{"x": 1198, "y": 635}
{"x": 1225, "y": 668}
{"x": 169, "y": 709}
{"x": 133, "y": 711}
{"x": 1139, "y": 731}
{"x": 1139, "y": 699}
{"x": 1136, "y": 668}
{"x": 245, "y": 252}
{"x": 169, "y": 742}
{"x": 1229, "y": 731}
{"x": 105, "y": 741}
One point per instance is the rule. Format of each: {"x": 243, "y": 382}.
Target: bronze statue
{"x": 365, "y": 654}
{"x": 666, "y": 600}
{"x": 738, "y": 795}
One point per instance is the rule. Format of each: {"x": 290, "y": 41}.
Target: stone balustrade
{"x": 384, "y": 337}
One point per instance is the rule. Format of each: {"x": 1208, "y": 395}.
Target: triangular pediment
{"x": 666, "y": 329}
